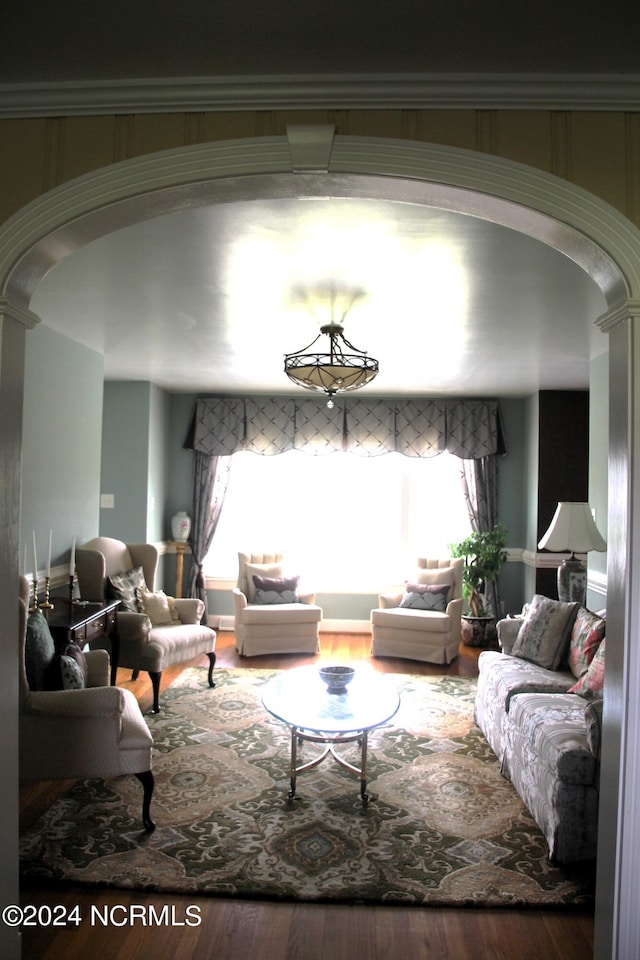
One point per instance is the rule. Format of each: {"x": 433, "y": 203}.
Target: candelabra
{"x": 72, "y": 581}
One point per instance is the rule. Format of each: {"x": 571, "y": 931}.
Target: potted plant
{"x": 484, "y": 556}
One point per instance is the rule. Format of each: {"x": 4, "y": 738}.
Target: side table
{"x": 85, "y": 623}
{"x": 181, "y": 547}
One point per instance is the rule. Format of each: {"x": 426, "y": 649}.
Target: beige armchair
{"x": 420, "y": 634}
{"x": 282, "y": 627}
{"x": 94, "y": 731}
{"x": 169, "y": 631}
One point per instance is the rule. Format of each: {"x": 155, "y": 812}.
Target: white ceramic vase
{"x": 181, "y": 525}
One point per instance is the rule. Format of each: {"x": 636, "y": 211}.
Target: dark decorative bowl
{"x": 337, "y": 678}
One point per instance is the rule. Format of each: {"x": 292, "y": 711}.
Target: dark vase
{"x": 477, "y": 631}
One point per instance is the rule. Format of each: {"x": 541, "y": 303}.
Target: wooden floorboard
{"x": 259, "y": 930}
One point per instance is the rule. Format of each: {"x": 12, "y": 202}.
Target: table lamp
{"x": 572, "y": 528}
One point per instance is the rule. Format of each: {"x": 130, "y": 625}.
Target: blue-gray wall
{"x": 62, "y": 444}
{"x": 159, "y": 464}
{"x": 135, "y": 461}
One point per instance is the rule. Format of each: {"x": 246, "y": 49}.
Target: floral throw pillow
{"x": 586, "y": 636}
{"x": 545, "y": 631}
{"x": 591, "y": 685}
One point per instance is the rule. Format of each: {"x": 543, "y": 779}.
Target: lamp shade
{"x": 572, "y": 528}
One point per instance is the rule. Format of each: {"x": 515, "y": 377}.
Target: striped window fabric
{"x": 414, "y": 427}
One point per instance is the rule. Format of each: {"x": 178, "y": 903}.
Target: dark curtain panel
{"x": 480, "y": 486}
{"x": 210, "y": 480}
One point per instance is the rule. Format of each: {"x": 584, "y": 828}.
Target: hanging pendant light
{"x": 340, "y": 368}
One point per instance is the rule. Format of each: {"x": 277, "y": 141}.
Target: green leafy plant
{"x": 484, "y": 556}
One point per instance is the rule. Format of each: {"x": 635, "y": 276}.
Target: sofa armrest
{"x": 454, "y": 609}
{"x": 98, "y": 662}
{"x": 189, "y": 609}
{"x": 133, "y": 626}
{"x": 309, "y": 598}
{"x": 239, "y": 601}
{"x": 386, "y": 600}
{"x": 507, "y": 630}
{"x": 90, "y": 702}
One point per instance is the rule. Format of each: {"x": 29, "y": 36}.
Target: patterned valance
{"x": 415, "y": 427}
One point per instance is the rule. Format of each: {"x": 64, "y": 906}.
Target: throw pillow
{"x": 69, "y": 670}
{"x": 123, "y": 586}
{"x": 439, "y": 575}
{"x": 591, "y": 684}
{"x": 545, "y": 631}
{"x": 156, "y": 606}
{"x": 425, "y": 596}
{"x": 66, "y": 674}
{"x": 586, "y": 636}
{"x": 175, "y": 615}
{"x": 275, "y": 589}
{"x": 76, "y": 652}
{"x": 593, "y": 720}
{"x": 39, "y": 650}
{"x": 260, "y": 570}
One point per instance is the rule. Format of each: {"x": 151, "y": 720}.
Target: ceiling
{"x": 77, "y": 41}
{"x": 210, "y": 299}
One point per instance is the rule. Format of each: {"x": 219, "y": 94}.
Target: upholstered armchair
{"x": 422, "y": 622}
{"x": 272, "y": 615}
{"x": 153, "y": 631}
{"x": 86, "y": 728}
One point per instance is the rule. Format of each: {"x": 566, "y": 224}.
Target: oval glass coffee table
{"x": 301, "y": 700}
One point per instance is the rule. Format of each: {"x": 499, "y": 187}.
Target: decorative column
{"x": 181, "y": 548}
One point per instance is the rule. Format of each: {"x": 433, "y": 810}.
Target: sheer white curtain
{"x": 345, "y": 523}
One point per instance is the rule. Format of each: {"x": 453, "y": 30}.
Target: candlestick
{"x": 72, "y": 564}
{"x": 72, "y": 581}
{"x": 34, "y": 605}
{"x": 35, "y": 557}
{"x": 48, "y": 567}
{"x": 47, "y": 605}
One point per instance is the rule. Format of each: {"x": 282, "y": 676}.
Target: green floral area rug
{"x": 442, "y": 826}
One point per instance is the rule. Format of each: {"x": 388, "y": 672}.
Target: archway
{"x": 594, "y": 235}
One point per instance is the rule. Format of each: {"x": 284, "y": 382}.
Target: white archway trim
{"x": 581, "y": 226}
{"x": 10, "y": 311}
{"x": 435, "y": 91}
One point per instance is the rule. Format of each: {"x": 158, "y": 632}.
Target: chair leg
{"x": 212, "y": 663}
{"x": 135, "y": 674}
{"x": 155, "y": 683}
{"x": 148, "y": 783}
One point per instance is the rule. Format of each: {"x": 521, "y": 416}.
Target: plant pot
{"x": 477, "y": 631}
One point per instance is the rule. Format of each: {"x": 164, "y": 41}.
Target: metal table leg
{"x": 293, "y": 763}
{"x": 363, "y": 769}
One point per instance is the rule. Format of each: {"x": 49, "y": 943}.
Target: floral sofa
{"x": 539, "y": 704}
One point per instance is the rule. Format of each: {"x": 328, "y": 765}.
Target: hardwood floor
{"x": 235, "y": 930}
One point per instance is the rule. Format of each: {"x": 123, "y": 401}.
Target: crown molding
{"x": 602, "y": 92}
